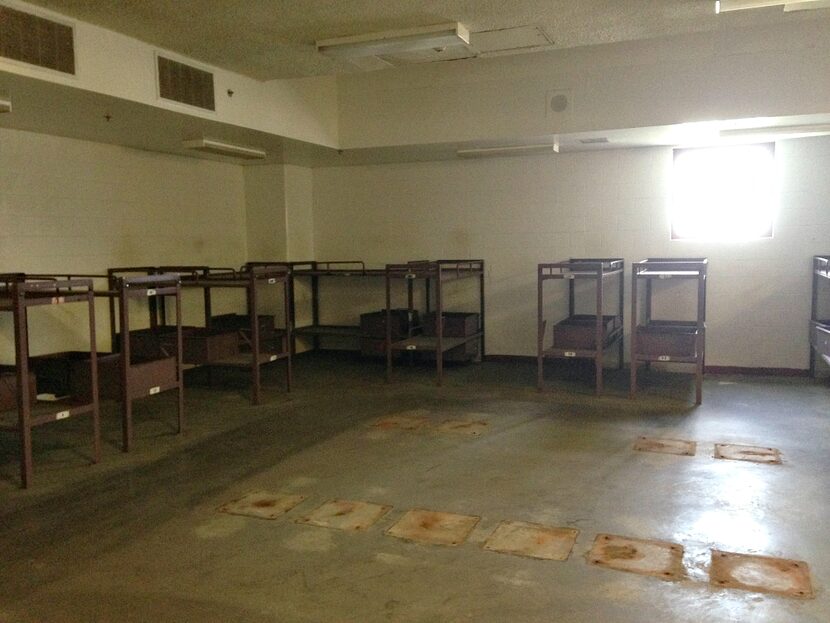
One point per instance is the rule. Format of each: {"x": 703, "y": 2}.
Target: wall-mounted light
{"x": 396, "y": 41}
{"x": 5, "y": 104}
{"x": 508, "y": 150}
{"x": 221, "y": 148}
{"x": 724, "y": 6}
{"x": 781, "y": 131}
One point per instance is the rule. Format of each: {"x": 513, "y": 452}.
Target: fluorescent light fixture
{"x": 724, "y": 6}
{"x": 396, "y": 41}
{"x": 5, "y": 104}
{"x": 510, "y": 150}
{"x": 221, "y": 148}
{"x": 790, "y": 131}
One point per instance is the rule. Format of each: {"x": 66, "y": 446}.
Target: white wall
{"x": 774, "y": 70}
{"x": 516, "y": 212}
{"x": 76, "y": 206}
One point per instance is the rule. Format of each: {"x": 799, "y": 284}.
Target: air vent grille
{"x": 35, "y": 40}
{"x": 601, "y": 140}
{"x": 185, "y": 84}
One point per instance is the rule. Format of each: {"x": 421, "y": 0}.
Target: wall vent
{"x": 37, "y": 41}
{"x": 185, "y": 84}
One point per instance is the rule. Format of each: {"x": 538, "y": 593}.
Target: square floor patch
{"x": 346, "y": 515}
{"x": 262, "y": 504}
{"x": 755, "y": 454}
{"x": 656, "y": 558}
{"x": 463, "y": 427}
{"x": 532, "y": 540}
{"x": 666, "y": 446}
{"x": 761, "y": 574}
{"x": 433, "y": 528}
{"x": 406, "y": 420}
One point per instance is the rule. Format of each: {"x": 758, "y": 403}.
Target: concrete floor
{"x": 138, "y": 537}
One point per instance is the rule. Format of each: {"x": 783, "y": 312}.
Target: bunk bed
{"x": 582, "y": 335}
{"x": 440, "y": 333}
{"x": 248, "y": 340}
{"x": 18, "y": 294}
{"x": 668, "y": 341}
{"x": 315, "y": 272}
{"x": 819, "y": 322}
{"x": 135, "y": 368}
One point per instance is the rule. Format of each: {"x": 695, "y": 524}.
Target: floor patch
{"x": 754, "y": 454}
{"x": 761, "y": 574}
{"x": 433, "y": 528}
{"x": 262, "y": 505}
{"x": 407, "y": 420}
{"x": 463, "y": 427}
{"x": 532, "y": 540}
{"x": 666, "y": 446}
{"x": 656, "y": 558}
{"x": 346, "y": 515}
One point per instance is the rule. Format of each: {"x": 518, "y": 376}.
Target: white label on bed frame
{"x": 665, "y": 276}
{"x": 272, "y": 281}
{"x": 61, "y": 415}
{"x": 151, "y": 292}
{"x": 410, "y": 275}
{"x": 411, "y": 347}
{"x": 570, "y": 276}
{"x": 664, "y": 358}
{"x": 155, "y": 390}
{"x": 57, "y": 300}
{"x": 570, "y": 353}
{"x": 272, "y": 358}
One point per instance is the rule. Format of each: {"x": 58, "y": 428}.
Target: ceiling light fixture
{"x": 396, "y": 41}
{"x": 724, "y": 6}
{"x": 782, "y": 131}
{"x": 221, "y": 148}
{"x": 509, "y": 150}
{"x": 5, "y": 104}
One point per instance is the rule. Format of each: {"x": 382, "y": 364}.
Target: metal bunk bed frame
{"x": 250, "y": 278}
{"x": 819, "y": 327}
{"x": 439, "y": 271}
{"x": 18, "y": 293}
{"x": 668, "y": 341}
{"x": 598, "y": 270}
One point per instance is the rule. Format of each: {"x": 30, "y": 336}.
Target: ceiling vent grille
{"x": 37, "y": 41}
{"x": 185, "y": 84}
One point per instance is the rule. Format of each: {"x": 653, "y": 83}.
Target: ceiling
{"x": 269, "y": 39}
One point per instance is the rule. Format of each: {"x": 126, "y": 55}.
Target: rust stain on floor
{"x": 532, "y": 540}
{"x": 262, "y": 505}
{"x": 346, "y": 515}
{"x": 761, "y": 574}
{"x": 406, "y": 420}
{"x": 754, "y": 454}
{"x": 433, "y": 528}
{"x": 659, "y": 559}
{"x": 666, "y": 446}
{"x": 463, "y": 427}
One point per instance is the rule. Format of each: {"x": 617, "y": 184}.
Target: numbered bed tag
{"x": 272, "y": 281}
{"x": 155, "y": 390}
{"x": 570, "y": 353}
{"x": 61, "y": 415}
{"x": 57, "y": 300}
{"x": 410, "y": 275}
{"x": 151, "y": 292}
{"x": 411, "y": 347}
{"x": 272, "y": 358}
{"x": 664, "y": 358}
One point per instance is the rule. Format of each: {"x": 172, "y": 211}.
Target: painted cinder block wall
{"x": 517, "y": 212}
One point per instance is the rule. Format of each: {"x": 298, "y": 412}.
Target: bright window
{"x": 724, "y": 193}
